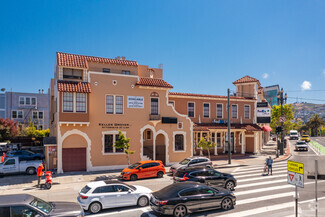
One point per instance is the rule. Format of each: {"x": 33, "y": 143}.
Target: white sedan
{"x": 99, "y": 195}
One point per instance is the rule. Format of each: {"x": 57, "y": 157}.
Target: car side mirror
{"x": 140, "y": 168}
{"x": 129, "y": 191}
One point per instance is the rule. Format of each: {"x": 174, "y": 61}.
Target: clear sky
{"x": 203, "y": 45}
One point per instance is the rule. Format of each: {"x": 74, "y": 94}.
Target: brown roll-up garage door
{"x": 74, "y": 159}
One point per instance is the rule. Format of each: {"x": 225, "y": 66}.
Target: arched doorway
{"x": 148, "y": 144}
{"x": 161, "y": 148}
{"x": 74, "y": 153}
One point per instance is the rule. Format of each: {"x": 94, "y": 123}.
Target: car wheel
{"x": 227, "y": 204}
{"x": 230, "y": 185}
{"x": 160, "y": 174}
{"x": 30, "y": 170}
{"x": 143, "y": 201}
{"x": 95, "y": 207}
{"x": 133, "y": 177}
{"x": 180, "y": 211}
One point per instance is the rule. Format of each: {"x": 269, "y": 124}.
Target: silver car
{"x": 191, "y": 162}
{"x": 99, "y": 195}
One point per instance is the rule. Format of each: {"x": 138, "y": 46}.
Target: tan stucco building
{"x": 92, "y": 98}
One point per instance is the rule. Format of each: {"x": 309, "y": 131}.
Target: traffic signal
{"x": 278, "y": 130}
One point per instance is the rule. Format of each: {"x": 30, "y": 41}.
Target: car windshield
{"x": 184, "y": 162}
{"x": 134, "y": 165}
{"x": 41, "y": 205}
{"x": 293, "y": 133}
{"x": 85, "y": 189}
{"x": 301, "y": 143}
{"x": 305, "y": 136}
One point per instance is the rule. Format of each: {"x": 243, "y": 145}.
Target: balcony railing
{"x": 154, "y": 117}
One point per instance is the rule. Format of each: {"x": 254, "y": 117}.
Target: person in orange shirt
{"x": 3, "y": 157}
{"x": 40, "y": 169}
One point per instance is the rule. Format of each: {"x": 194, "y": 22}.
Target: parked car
{"x": 15, "y": 165}
{"x": 99, "y": 195}
{"x": 144, "y": 169}
{"x": 29, "y": 205}
{"x": 208, "y": 176}
{"x": 25, "y": 155}
{"x": 305, "y": 138}
{"x": 301, "y": 145}
{"x": 192, "y": 162}
{"x": 179, "y": 199}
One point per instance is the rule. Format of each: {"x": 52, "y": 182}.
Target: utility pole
{"x": 280, "y": 97}
{"x": 228, "y": 106}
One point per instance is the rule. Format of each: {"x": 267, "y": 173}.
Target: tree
{"x": 205, "y": 144}
{"x": 8, "y": 129}
{"x": 314, "y": 124}
{"x": 123, "y": 143}
{"x": 288, "y": 113}
{"x": 31, "y": 131}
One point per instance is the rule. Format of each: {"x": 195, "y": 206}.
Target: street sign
{"x": 282, "y": 119}
{"x": 295, "y": 167}
{"x": 296, "y": 173}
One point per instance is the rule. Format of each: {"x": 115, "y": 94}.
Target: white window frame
{"x": 236, "y": 112}
{"x": 249, "y": 112}
{"x": 31, "y": 100}
{"x": 74, "y": 103}
{"x": 193, "y": 109}
{"x": 114, "y": 133}
{"x": 184, "y": 136}
{"x": 209, "y": 109}
{"x": 114, "y": 104}
{"x": 22, "y": 112}
{"x": 23, "y": 100}
{"x": 221, "y": 111}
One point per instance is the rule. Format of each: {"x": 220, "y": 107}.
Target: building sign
{"x": 135, "y": 102}
{"x": 114, "y": 125}
{"x": 263, "y": 115}
{"x": 262, "y": 104}
{"x": 296, "y": 173}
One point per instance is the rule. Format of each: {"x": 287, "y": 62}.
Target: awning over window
{"x": 267, "y": 128}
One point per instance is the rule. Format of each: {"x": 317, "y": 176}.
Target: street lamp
{"x": 282, "y": 99}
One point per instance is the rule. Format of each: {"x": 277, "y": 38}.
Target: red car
{"x": 144, "y": 169}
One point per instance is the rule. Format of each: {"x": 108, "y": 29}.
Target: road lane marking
{"x": 313, "y": 149}
{"x": 312, "y": 200}
{"x": 261, "y": 168}
{"x": 262, "y": 177}
{"x": 249, "y": 175}
{"x": 261, "y": 183}
{"x": 268, "y": 197}
{"x": 258, "y": 190}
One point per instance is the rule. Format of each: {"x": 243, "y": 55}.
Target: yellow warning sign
{"x": 295, "y": 167}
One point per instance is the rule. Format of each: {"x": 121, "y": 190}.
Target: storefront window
{"x": 179, "y": 142}
{"x": 108, "y": 143}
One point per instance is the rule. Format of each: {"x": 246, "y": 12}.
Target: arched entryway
{"x": 74, "y": 153}
{"x": 161, "y": 148}
{"x": 148, "y": 144}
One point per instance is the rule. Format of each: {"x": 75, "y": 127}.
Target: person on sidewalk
{"x": 40, "y": 169}
{"x": 269, "y": 163}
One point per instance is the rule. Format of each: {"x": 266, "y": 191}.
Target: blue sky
{"x": 203, "y": 45}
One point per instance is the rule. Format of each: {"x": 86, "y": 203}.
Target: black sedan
{"x": 28, "y": 205}
{"x": 25, "y": 155}
{"x": 179, "y": 199}
{"x": 210, "y": 177}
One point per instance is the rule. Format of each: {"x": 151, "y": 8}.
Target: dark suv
{"x": 210, "y": 177}
{"x": 192, "y": 162}
{"x": 25, "y": 155}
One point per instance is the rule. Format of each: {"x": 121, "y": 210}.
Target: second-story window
{"x": 68, "y": 102}
{"x": 154, "y": 106}
{"x": 109, "y": 104}
{"x": 27, "y": 101}
{"x": 246, "y": 111}
{"x": 219, "y": 111}
{"x": 33, "y": 101}
{"x": 21, "y": 100}
{"x": 106, "y": 70}
{"x": 80, "y": 102}
{"x": 206, "y": 110}
{"x": 234, "y": 111}
{"x": 114, "y": 104}
{"x": 190, "y": 109}
{"x": 118, "y": 104}
{"x": 125, "y": 72}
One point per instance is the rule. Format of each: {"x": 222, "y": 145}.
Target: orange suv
{"x": 144, "y": 169}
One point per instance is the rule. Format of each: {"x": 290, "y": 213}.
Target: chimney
{"x": 39, "y": 91}
{"x": 118, "y": 58}
{"x": 123, "y": 58}
{"x": 42, "y": 91}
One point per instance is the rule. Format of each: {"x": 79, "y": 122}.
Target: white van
{"x": 294, "y": 134}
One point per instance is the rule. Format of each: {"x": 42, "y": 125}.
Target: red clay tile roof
{"x": 81, "y": 61}
{"x": 74, "y": 86}
{"x": 207, "y": 126}
{"x": 206, "y": 95}
{"x": 152, "y": 82}
{"x": 246, "y": 79}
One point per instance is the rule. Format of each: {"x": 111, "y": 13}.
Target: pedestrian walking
{"x": 40, "y": 169}
{"x": 269, "y": 163}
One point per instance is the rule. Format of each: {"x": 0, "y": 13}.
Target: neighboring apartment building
{"x": 26, "y": 107}
{"x": 271, "y": 93}
{"x": 2, "y": 105}
{"x": 209, "y": 114}
{"x": 91, "y": 98}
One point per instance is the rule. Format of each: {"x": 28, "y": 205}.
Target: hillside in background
{"x": 306, "y": 110}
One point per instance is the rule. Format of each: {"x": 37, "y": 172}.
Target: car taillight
{"x": 184, "y": 178}
{"x": 83, "y": 197}
{"x": 162, "y": 202}
{"x": 211, "y": 162}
